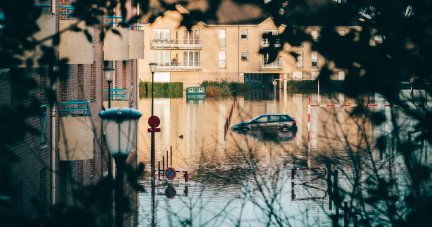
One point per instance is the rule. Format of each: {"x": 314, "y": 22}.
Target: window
{"x": 162, "y": 58}
{"x": 342, "y": 32}
{"x": 274, "y": 118}
{"x": 244, "y": 56}
{"x": 222, "y": 59}
{"x": 341, "y": 75}
{"x": 43, "y": 120}
{"x": 222, "y": 38}
{"x": 314, "y": 59}
{"x": 262, "y": 119}
{"x": 191, "y": 37}
{"x": 244, "y": 34}
{"x": 161, "y": 35}
{"x": 269, "y": 32}
{"x": 314, "y": 35}
{"x": 191, "y": 58}
{"x": 300, "y": 59}
{"x": 297, "y": 75}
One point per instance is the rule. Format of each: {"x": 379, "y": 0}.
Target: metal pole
{"x": 329, "y": 186}
{"x": 171, "y": 154}
{"x": 152, "y": 134}
{"x": 167, "y": 159}
{"x": 110, "y": 172}
{"x": 345, "y": 214}
{"x": 120, "y": 161}
{"x": 159, "y": 169}
{"x": 319, "y": 98}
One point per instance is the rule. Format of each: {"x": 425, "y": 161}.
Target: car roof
{"x": 275, "y": 114}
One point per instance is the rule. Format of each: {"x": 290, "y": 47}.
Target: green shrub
{"x": 225, "y": 87}
{"x": 165, "y": 86}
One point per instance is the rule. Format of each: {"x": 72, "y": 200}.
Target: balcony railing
{"x": 75, "y": 107}
{"x": 276, "y": 65}
{"x": 43, "y": 120}
{"x": 222, "y": 64}
{"x": 222, "y": 42}
{"x": 44, "y": 5}
{"x": 194, "y": 44}
{"x": 265, "y": 43}
{"x": 179, "y": 66}
{"x": 67, "y": 11}
{"x": 116, "y": 94}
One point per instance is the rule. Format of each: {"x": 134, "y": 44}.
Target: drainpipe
{"x": 238, "y": 53}
{"x": 53, "y": 152}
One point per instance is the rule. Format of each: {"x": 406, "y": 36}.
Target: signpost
{"x": 170, "y": 173}
{"x": 153, "y": 122}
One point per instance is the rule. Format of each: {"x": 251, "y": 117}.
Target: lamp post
{"x": 120, "y": 130}
{"x": 152, "y": 70}
{"x": 109, "y": 76}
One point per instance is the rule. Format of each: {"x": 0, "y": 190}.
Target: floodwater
{"x": 245, "y": 179}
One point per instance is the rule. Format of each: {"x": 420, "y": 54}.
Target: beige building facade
{"x": 231, "y": 52}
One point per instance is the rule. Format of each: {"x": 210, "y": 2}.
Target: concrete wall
{"x": 74, "y": 45}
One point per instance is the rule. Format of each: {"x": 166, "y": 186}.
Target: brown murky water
{"x": 225, "y": 167}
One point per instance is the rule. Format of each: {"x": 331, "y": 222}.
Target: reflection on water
{"x": 225, "y": 169}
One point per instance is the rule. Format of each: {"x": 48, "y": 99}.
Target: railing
{"x": 222, "y": 42}
{"x": 179, "y": 66}
{"x": 75, "y": 107}
{"x": 137, "y": 26}
{"x": 68, "y": 12}
{"x": 44, "y": 5}
{"x": 116, "y": 94}
{"x": 177, "y": 44}
{"x": 276, "y": 65}
{"x": 265, "y": 43}
{"x": 222, "y": 64}
{"x": 43, "y": 120}
{"x": 112, "y": 18}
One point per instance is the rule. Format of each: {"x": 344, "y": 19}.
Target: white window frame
{"x": 244, "y": 53}
{"x": 195, "y": 58}
{"x": 166, "y": 34}
{"x": 314, "y": 35}
{"x": 246, "y": 34}
{"x": 299, "y": 63}
{"x": 222, "y": 59}
{"x": 314, "y": 58}
{"x": 222, "y": 38}
{"x": 166, "y": 58}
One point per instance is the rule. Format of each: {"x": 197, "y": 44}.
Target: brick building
{"x": 53, "y": 160}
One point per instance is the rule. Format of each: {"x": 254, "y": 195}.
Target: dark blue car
{"x": 280, "y": 122}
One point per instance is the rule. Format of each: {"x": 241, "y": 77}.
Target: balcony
{"x": 179, "y": 66}
{"x": 274, "y": 66}
{"x": 76, "y": 130}
{"x": 266, "y": 43}
{"x": 191, "y": 44}
{"x": 118, "y": 98}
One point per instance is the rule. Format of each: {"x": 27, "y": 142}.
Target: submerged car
{"x": 280, "y": 122}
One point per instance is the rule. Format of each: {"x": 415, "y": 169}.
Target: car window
{"x": 262, "y": 119}
{"x": 284, "y": 118}
{"x": 274, "y": 118}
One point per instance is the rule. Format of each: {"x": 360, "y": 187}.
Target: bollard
{"x": 329, "y": 186}
{"x": 186, "y": 176}
{"x": 345, "y": 214}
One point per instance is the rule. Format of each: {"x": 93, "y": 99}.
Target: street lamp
{"x": 152, "y": 70}
{"x": 120, "y": 131}
{"x": 109, "y": 76}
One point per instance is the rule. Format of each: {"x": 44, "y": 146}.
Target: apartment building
{"x": 70, "y": 149}
{"x": 227, "y": 50}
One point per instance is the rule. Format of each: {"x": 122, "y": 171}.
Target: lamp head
{"x": 152, "y": 67}
{"x": 109, "y": 73}
{"x": 120, "y": 129}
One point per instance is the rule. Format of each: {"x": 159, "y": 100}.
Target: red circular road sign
{"x": 170, "y": 192}
{"x": 170, "y": 173}
{"x": 154, "y": 121}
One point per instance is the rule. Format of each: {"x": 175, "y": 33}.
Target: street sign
{"x": 170, "y": 192}
{"x": 154, "y": 121}
{"x": 155, "y": 130}
{"x": 170, "y": 173}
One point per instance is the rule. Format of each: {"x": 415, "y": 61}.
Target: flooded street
{"x": 246, "y": 179}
